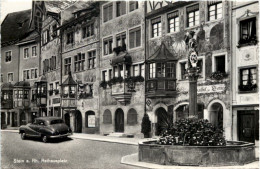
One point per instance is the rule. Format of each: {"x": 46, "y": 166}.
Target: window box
{"x": 218, "y": 75}
{"x": 85, "y": 95}
{"x": 246, "y": 88}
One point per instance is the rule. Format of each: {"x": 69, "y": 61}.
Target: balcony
{"x": 121, "y": 93}
{"x": 161, "y": 87}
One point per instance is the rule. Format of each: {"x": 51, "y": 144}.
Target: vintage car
{"x": 45, "y": 128}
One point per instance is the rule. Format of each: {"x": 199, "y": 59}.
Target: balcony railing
{"x": 161, "y": 84}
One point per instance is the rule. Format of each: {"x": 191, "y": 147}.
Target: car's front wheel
{"x": 23, "y": 136}
{"x": 44, "y": 139}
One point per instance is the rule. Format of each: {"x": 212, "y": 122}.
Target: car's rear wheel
{"x": 44, "y": 139}
{"x": 23, "y": 136}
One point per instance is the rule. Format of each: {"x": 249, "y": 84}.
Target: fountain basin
{"x": 234, "y": 153}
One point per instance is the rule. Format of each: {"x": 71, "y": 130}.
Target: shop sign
{"x": 218, "y": 88}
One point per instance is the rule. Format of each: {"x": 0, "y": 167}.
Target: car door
{"x": 35, "y": 128}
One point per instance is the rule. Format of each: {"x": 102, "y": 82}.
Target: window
{"x": 46, "y": 37}
{"x": 8, "y": 56}
{"x": 79, "y": 61}
{"x": 173, "y": 22}
{"x": 51, "y": 89}
{"x": 152, "y": 70}
{"x": 135, "y": 37}
{"x": 34, "y": 53}
{"x": 105, "y": 75}
{"x": 26, "y": 94}
{"x": 156, "y": 27}
{"x": 133, "y": 5}
{"x": 121, "y": 40}
{"x": 20, "y": 94}
{"x": 132, "y": 117}
{"x": 53, "y": 63}
{"x": 70, "y": 38}
{"x": 193, "y": 15}
{"x": 108, "y": 12}
{"x": 110, "y": 74}
{"x": 116, "y": 71}
{"x": 248, "y": 78}
{"x": 136, "y": 70}
{"x": 120, "y": 8}
{"x": 171, "y": 73}
{"x": 108, "y": 46}
{"x": 26, "y": 53}
{"x": 184, "y": 66}
{"x": 67, "y": 65}
{"x": 10, "y": 77}
{"x": 88, "y": 30}
{"x": 92, "y": 59}
{"x": 2, "y": 77}
{"x": 220, "y": 63}
{"x": 26, "y": 74}
{"x": 57, "y": 85}
{"x": 214, "y": 10}
{"x": 248, "y": 31}
{"x": 33, "y": 73}
{"x": 107, "y": 117}
{"x": 142, "y": 70}
{"x": 160, "y": 70}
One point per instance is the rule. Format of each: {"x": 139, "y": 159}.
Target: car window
{"x": 58, "y": 121}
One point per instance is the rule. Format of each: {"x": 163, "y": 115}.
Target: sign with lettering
{"x": 91, "y": 120}
{"x": 218, "y": 88}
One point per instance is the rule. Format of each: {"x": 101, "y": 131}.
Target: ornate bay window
{"x": 68, "y": 92}
{"x": 162, "y": 73}
{"x": 7, "y": 96}
{"x": 21, "y": 94}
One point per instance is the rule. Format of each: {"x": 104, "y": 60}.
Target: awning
{"x": 123, "y": 58}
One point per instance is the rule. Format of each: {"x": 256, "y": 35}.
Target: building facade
{"x": 245, "y": 59}
{"x": 167, "y": 84}
{"x": 80, "y": 57}
{"x": 122, "y": 53}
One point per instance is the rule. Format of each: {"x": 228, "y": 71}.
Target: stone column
{"x": 193, "y": 107}
{"x": 11, "y": 119}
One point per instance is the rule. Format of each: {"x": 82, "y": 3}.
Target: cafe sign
{"x": 218, "y": 88}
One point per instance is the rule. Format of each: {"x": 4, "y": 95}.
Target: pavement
{"x": 132, "y": 159}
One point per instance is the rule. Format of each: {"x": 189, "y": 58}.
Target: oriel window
{"x": 160, "y": 70}
{"x": 152, "y": 70}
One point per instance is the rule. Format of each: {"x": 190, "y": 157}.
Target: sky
{"x": 9, "y": 6}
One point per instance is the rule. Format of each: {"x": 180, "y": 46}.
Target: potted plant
{"x": 146, "y": 126}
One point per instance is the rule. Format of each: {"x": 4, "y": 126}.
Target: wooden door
{"x": 246, "y": 126}
{"x": 119, "y": 121}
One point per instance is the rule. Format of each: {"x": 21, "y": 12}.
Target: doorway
{"x": 22, "y": 119}
{"x": 78, "y": 122}
{"x": 3, "y": 119}
{"x": 14, "y": 119}
{"x": 163, "y": 119}
{"x": 67, "y": 119}
{"x": 119, "y": 120}
{"x": 248, "y": 125}
{"x": 216, "y": 115}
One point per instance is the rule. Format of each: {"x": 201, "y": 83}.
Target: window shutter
{"x": 138, "y": 37}
{"x": 132, "y": 39}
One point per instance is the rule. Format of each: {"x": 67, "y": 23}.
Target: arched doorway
{"x": 67, "y": 119}
{"x": 119, "y": 120}
{"x": 22, "y": 119}
{"x": 216, "y": 115}
{"x": 163, "y": 120}
{"x": 2, "y": 119}
{"x": 78, "y": 122}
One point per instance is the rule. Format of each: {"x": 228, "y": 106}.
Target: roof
{"x": 162, "y": 54}
{"x": 58, "y": 5}
{"x": 69, "y": 81}
{"x": 22, "y": 84}
{"x": 15, "y": 26}
{"x": 32, "y": 36}
{"x": 7, "y": 86}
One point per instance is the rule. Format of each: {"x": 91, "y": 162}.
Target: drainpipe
{"x": 61, "y": 110}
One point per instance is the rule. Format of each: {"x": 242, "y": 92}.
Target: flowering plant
{"x": 192, "y": 132}
{"x": 218, "y": 75}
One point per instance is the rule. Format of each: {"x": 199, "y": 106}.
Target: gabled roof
{"x": 15, "y": 26}
{"x": 31, "y": 36}
{"x": 69, "y": 81}
{"x": 162, "y": 54}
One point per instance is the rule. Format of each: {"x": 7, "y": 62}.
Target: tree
{"x": 146, "y": 125}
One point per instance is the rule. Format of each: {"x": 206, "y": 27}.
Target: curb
{"x": 104, "y": 140}
{"x": 12, "y": 131}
